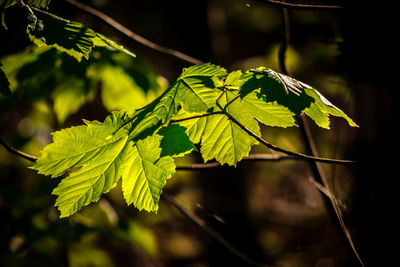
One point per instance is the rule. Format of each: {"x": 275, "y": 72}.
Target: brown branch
{"x": 200, "y": 222}
{"x": 251, "y": 157}
{"x": 316, "y": 168}
{"x": 288, "y": 152}
{"x": 267, "y": 144}
{"x": 284, "y": 4}
{"x": 17, "y": 152}
{"x": 118, "y": 26}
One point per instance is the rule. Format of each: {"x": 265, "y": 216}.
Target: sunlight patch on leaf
{"x": 194, "y": 91}
{"x": 146, "y": 173}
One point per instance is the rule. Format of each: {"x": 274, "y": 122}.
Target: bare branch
{"x": 251, "y": 157}
{"x": 134, "y": 36}
{"x": 17, "y": 152}
{"x": 288, "y": 152}
{"x": 300, "y": 6}
{"x": 200, "y": 222}
{"x": 316, "y": 168}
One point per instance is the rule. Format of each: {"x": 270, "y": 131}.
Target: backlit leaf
{"x": 98, "y": 154}
{"x": 146, "y": 174}
{"x": 71, "y": 37}
{"x": 295, "y": 95}
{"x": 204, "y": 105}
{"x": 195, "y": 91}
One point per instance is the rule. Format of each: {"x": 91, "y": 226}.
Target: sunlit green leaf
{"x": 98, "y": 153}
{"x": 223, "y": 139}
{"x": 194, "y": 91}
{"x": 204, "y": 105}
{"x": 295, "y": 95}
{"x": 146, "y": 174}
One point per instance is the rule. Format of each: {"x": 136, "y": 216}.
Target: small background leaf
{"x": 70, "y": 37}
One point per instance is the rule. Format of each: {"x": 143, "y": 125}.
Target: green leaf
{"x": 320, "y": 110}
{"x": 196, "y": 87}
{"x": 198, "y": 108}
{"x": 120, "y": 91}
{"x": 277, "y": 87}
{"x": 268, "y": 113}
{"x": 96, "y": 155}
{"x": 77, "y": 145}
{"x": 295, "y": 95}
{"x": 99, "y": 156}
{"x": 71, "y": 84}
{"x": 146, "y": 174}
{"x": 71, "y": 37}
{"x": 194, "y": 126}
{"x": 175, "y": 142}
{"x": 195, "y": 91}
{"x": 69, "y": 96}
{"x": 224, "y": 140}
{"x": 103, "y": 41}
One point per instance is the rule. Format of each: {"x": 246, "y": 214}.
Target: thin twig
{"x": 195, "y": 117}
{"x": 200, "y": 222}
{"x": 267, "y": 144}
{"x": 251, "y": 157}
{"x": 316, "y": 168}
{"x": 118, "y": 26}
{"x": 288, "y": 152}
{"x": 326, "y": 192}
{"x": 17, "y": 152}
{"x": 285, "y": 42}
{"x": 300, "y": 6}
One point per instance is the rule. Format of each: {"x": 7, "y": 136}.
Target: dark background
{"x": 269, "y": 211}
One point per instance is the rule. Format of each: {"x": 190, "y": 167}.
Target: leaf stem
{"x": 318, "y": 171}
{"x": 230, "y": 102}
{"x": 251, "y": 157}
{"x": 284, "y": 4}
{"x": 288, "y": 152}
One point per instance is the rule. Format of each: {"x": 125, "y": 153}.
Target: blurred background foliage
{"x": 269, "y": 211}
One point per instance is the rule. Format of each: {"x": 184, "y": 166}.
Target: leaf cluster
{"x": 205, "y": 106}
{"x": 70, "y": 84}
{"x": 48, "y": 30}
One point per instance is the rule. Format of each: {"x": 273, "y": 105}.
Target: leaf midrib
{"x": 95, "y": 177}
